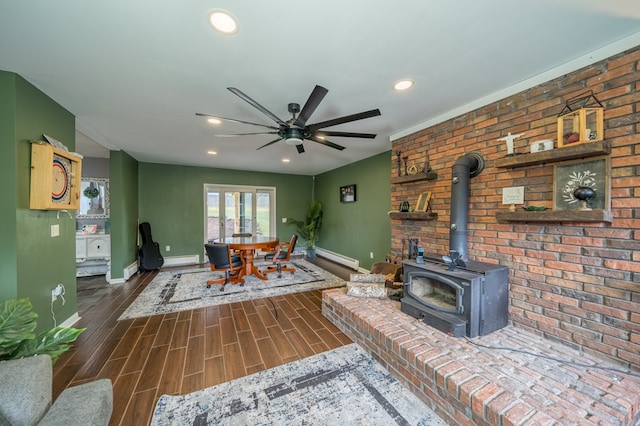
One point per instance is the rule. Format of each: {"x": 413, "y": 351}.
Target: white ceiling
{"x": 134, "y": 73}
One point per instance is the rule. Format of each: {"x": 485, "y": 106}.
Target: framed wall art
{"x": 423, "y": 202}
{"x": 348, "y": 194}
{"x": 570, "y": 175}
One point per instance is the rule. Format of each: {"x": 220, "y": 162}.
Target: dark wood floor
{"x": 182, "y": 352}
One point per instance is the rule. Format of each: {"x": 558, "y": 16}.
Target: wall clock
{"x": 55, "y": 178}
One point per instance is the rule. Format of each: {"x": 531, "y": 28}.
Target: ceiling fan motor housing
{"x": 293, "y": 135}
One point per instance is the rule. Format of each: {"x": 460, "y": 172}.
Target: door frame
{"x": 254, "y": 189}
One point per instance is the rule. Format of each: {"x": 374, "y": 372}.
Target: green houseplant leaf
{"x": 17, "y": 324}
{"x": 52, "y": 342}
{"x": 17, "y": 337}
{"x": 309, "y": 228}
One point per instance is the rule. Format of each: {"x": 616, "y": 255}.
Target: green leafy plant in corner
{"x": 309, "y": 228}
{"x": 18, "y": 338}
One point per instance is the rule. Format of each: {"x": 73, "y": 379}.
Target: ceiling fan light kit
{"x": 296, "y": 130}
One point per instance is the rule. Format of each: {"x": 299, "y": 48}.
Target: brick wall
{"x": 574, "y": 282}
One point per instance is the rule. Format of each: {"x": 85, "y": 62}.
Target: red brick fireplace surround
{"x": 573, "y": 281}
{"x": 466, "y": 384}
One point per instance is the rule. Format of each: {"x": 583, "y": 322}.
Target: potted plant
{"x": 309, "y": 228}
{"x": 17, "y": 337}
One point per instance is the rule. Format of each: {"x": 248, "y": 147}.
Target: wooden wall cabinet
{"x": 55, "y": 178}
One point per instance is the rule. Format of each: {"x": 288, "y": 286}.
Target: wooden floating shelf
{"x": 414, "y": 178}
{"x": 413, "y": 216}
{"x": 556, "y": 216}
{"x": 571, "y": 152}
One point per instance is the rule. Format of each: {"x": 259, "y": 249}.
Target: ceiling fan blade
{"x": 325, "y": 142}
{"x": 256, "y": 105}
{"x": 237, "y": 121}
{"x": 345, "y": 134}
{"x": 300, "y": 148}
{"x": 245, "y": 134}
{"x": 312, "y": 103}
{"x": 272, "y": 142}
{"x": 345, "y": 119}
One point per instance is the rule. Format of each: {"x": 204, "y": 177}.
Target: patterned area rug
{"x": 180, "y": 290}
{"x": 344, "y": 386}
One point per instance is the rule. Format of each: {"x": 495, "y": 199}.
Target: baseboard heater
{"x": 338, "y": 258}
{"x": 193, "y": 259}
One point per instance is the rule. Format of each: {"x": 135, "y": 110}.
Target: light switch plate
{"x": 55, "y": 230}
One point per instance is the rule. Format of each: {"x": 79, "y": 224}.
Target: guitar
{"x": 149, "y": 252}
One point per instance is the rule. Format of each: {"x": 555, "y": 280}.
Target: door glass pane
{"x": 263, "y": 214}
{"x": 213, "y": 215}
{"x": 238, "y": 212}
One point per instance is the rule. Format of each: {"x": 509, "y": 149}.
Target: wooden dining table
{"x": 248, "y": 246}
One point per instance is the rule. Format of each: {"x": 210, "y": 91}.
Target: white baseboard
{"x": 71, "y": 320}
{"x": 130, "y": 270}
{"x": 338, "y": 258}
{"x": 193, "y": 259}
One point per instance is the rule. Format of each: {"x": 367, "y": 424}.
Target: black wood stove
{"x": 469, "y": 301}
{"x": 451, "y": 293}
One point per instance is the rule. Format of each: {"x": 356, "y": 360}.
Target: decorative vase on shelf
{"x": 584, "y": 194}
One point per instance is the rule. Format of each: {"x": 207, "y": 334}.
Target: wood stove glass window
{"x": 436, "y": 292}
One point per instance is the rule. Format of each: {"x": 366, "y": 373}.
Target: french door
{"x": 236, "y": 209}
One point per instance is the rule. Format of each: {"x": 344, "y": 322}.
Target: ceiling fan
{"x": 295, "y": 130}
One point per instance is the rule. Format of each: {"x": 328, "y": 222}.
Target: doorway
{"x": 233, "y": 209}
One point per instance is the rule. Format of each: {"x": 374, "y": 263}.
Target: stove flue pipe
{"x": 468, "y": 166}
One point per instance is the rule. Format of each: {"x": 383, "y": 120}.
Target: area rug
{"x": 180, "y": 290}
{"x": 344, "y": 386}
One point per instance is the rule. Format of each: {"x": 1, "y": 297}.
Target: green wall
{"x": 171, "y": 199}
{"x": 356, "y": 229}
{"x": 123, "y": 205}
{"x": 8, "y": 174}
{"x": 38, "y": 262}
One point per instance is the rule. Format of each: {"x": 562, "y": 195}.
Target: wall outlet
{"x": 57, "y": 291}
{"x": 370, "y": 255}
{"x": 167, "y": 248}
{"x": 284, "y": 220}
{"x": 55, "y": 230}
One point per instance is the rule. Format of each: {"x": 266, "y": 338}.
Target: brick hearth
{"x": 467, "y": 384}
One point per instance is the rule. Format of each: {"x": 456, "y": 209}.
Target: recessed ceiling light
{"x": 285, "y": 160}
{"x": 213, "y": 121}
{"x": 402, "y": 85}
{"x": 212, "y": 153}
{"x": 223, "y": 22}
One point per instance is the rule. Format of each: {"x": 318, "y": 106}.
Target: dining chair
{"x": 281, "y": 255}
{"x": 222, "y": 259}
